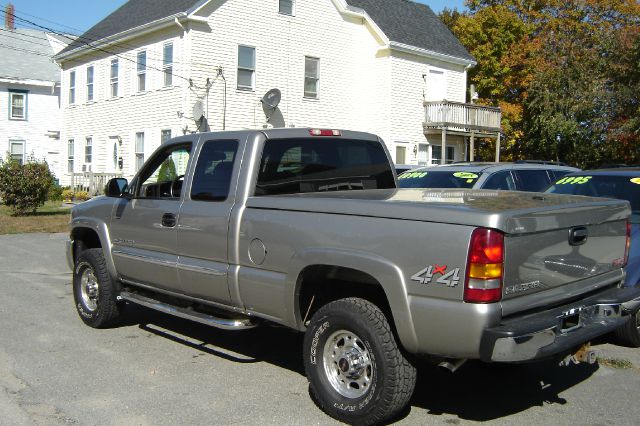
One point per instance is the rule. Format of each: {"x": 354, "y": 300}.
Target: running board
{"x": 190, "y": 314}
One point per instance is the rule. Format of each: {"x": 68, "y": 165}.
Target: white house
{"x": 154, "y": 69}
{"x": 30, "y": 115}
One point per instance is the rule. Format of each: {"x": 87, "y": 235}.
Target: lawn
{"x": 52, "y": 217}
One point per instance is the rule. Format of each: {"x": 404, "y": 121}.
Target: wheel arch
{"x": 350, "y": 274}
{"x": 89, "y": 233}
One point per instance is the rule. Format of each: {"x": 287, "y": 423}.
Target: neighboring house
{"x": 30, "y": 116}
{"x": 158, "y": 69}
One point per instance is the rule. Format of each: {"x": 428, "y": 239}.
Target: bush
{"x": 24, "y": 187}
{"x": 55, "y": 193}
{"x": 67, "y": 195}
{"x": 81, "y": 196}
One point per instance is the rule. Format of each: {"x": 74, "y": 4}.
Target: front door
{"x": 144, "y": 225}
{"x": 203, "y": 230}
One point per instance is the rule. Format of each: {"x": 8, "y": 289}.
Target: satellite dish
{"x": 197, "y": 110}
{"x": 271, "y": 98}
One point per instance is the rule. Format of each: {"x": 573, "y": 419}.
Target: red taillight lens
{"x": 485, "y": 264}
{"x": 628, "y": 246}
{"x": 324, "y": 132}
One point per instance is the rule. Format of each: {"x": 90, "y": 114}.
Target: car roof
{"x": 494, "y": 167}
{"x": 618, "y": 171}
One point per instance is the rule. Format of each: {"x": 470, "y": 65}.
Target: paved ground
{"x": 157, "y": 370}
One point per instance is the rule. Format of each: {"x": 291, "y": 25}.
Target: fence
{"x": 93, "y": 183}
{"x": 462, "y": 116}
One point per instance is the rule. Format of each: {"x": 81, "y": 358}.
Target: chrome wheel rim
{"x": 89, "y": 289}
{"x": 348, "y": 364}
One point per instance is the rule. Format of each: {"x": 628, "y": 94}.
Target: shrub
{"x": 55, "y": 193}
{"x": 81, "y": 196}
{"x": 24, "y": 187}
{"x": 67, "y": 195}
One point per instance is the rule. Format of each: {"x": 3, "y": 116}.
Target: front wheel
{"x": 94, "y": 290}
{"x": 356, "y": 371}
{"x": 629, "y": 333}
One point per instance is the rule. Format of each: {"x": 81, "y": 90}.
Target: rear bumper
{"x": 559, "y": 330}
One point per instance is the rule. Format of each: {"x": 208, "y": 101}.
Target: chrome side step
{"x": 223, "y": 323}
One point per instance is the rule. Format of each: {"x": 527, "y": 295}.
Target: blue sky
{"x": 77, "y": 16}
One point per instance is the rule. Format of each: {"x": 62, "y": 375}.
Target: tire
{"x": 629, "y": 333}
{"x": 94, "y": 291}
{"x": 356, "y": 372}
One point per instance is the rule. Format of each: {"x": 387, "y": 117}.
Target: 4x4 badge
{"x": 425, "y": 276}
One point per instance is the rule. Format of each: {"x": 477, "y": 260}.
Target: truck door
{"x": 144, "y": 225}
{"x": 203, "y": 230}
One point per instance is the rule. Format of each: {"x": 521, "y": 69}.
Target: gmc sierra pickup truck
{"x": 305, "y": 228}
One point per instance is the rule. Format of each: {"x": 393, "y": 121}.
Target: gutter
{"x": 128, "y": 34}
{"x": 406, "y": 48}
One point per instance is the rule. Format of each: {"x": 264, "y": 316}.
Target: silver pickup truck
{"x": 305, "y": 228}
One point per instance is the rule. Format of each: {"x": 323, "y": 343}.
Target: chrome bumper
{"x": 545, "y": 334}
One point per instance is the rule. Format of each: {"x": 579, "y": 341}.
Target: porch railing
{"x": 461, "y": 116}
{"x": 91, "y": 182}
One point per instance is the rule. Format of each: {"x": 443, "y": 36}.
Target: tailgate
{"x": 561, "y": 264}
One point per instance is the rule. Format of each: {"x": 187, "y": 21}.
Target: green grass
{"x": 622, "y": 364}
{"x": 52, "y": 217}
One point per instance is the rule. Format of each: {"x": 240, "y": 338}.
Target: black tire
{"x": 629, "y": 334}
{"x": 338, "y": 383}
{"x": 94, "y": 291}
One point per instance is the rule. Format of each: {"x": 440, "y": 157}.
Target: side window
{"x": 212, "y": 178}
{"x": 532, "y": 180}
{"x": 500, "y": 180}
{"x": 557, "y": 174}
{"x": 163, "y": 176}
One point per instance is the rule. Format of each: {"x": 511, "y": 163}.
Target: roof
{"x": 27, "y": 55}
{"x": 132, "y": 14}
{"x": 622, "y": 171}
{"x": 402, "y": 21}
{"x": 492, "y": 167}
{"x": 413, "y": 24}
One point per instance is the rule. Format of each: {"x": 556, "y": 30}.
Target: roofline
{"x": 406, "y": 48}
{"x": 129, "y": 34}
{"x": 28, "y": 81}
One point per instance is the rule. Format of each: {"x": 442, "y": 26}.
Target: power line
{"x": 32, "y": 52}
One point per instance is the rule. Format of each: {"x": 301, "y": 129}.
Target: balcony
{"x": 460, "y": 118}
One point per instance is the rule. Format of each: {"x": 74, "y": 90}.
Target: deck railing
{"x": 93, "y": 183}
{"x": 461, "y": 116}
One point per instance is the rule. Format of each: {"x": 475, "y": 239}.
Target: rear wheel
{"x": 94, "y": 290}
{"x": 629, "y": 334}
{"x": 356, "y": 371}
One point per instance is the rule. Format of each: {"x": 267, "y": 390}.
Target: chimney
{"x": 9, "y": 18}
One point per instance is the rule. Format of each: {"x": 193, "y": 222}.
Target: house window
{"x": 16, "y": 150}
{"x": 17, "y": 105}
{"x": 142, "y": 70}
{"x": 401, "y": 154}
{"x": 89, "y": 84}
{"x": 167, "y": 64}
{"x": 70, "y": 155}
{"x": 311, "y": 77}
{"x": 423, "y": 154}
{"x": 286, "y": 7}
{"x": 436, "y": 154}
{"x": 114, "y": 78}
{"x": 165, "y": 135}
{"x": 88, "y": 148}
{"x": 72, "y": 87}
{"x": 139, "y": 150}
{"x": 246, "y": 67}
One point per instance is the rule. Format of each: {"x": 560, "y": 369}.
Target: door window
{"x": 500, "y": 180}
{"x": 532, "y": 180}
{"x": 163, "y": 176}
{"x": 212, "y": 178}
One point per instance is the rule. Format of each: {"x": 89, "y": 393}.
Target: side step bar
{"x": 223, "y": 323}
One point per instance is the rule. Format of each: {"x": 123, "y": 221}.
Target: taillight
{"x": 324, "y": 132}
{"x": 485, "y": 265}
{"x": 628, "y": 246}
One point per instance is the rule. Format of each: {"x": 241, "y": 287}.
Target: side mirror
{"x": 116, "y": 187}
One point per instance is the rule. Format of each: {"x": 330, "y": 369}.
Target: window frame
{"x": 311, "y": 95}
{"x": 11, "y": 155}
{"x": 141, "y": 71}
{"x": 88, "y": 150}
{"x": 114, "y": 79}
{"x": 150, "y": 166}
{"x": 252, "y": 70}
{"x": 24, "y": 94}
{"x": 196, "y": 171}
{"x": 71, "y": 155}
{"x": 72, "y": 87}
{"x": 139, "y": 153}
{"x": 285, "y": 13}
{"x": 446, "y": 159}
{"x": 163, "y": 134}
{"x": 90, "y": 82}
{"x": 167, "y": 66}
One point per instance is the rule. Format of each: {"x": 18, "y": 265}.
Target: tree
{"x": 24, "y": 187}
{"x": 167, "y": 172}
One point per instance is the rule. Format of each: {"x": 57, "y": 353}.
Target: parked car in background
{"x": 508, "y": 176}
{"x": 624, "y": 184}
{"x": 401, "y": 168}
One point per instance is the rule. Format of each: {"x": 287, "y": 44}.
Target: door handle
{"x": 169, "y": 220}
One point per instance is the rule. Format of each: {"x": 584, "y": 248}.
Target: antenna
{"x": 270, "y": 102}
{"x": 197, "y": 111}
